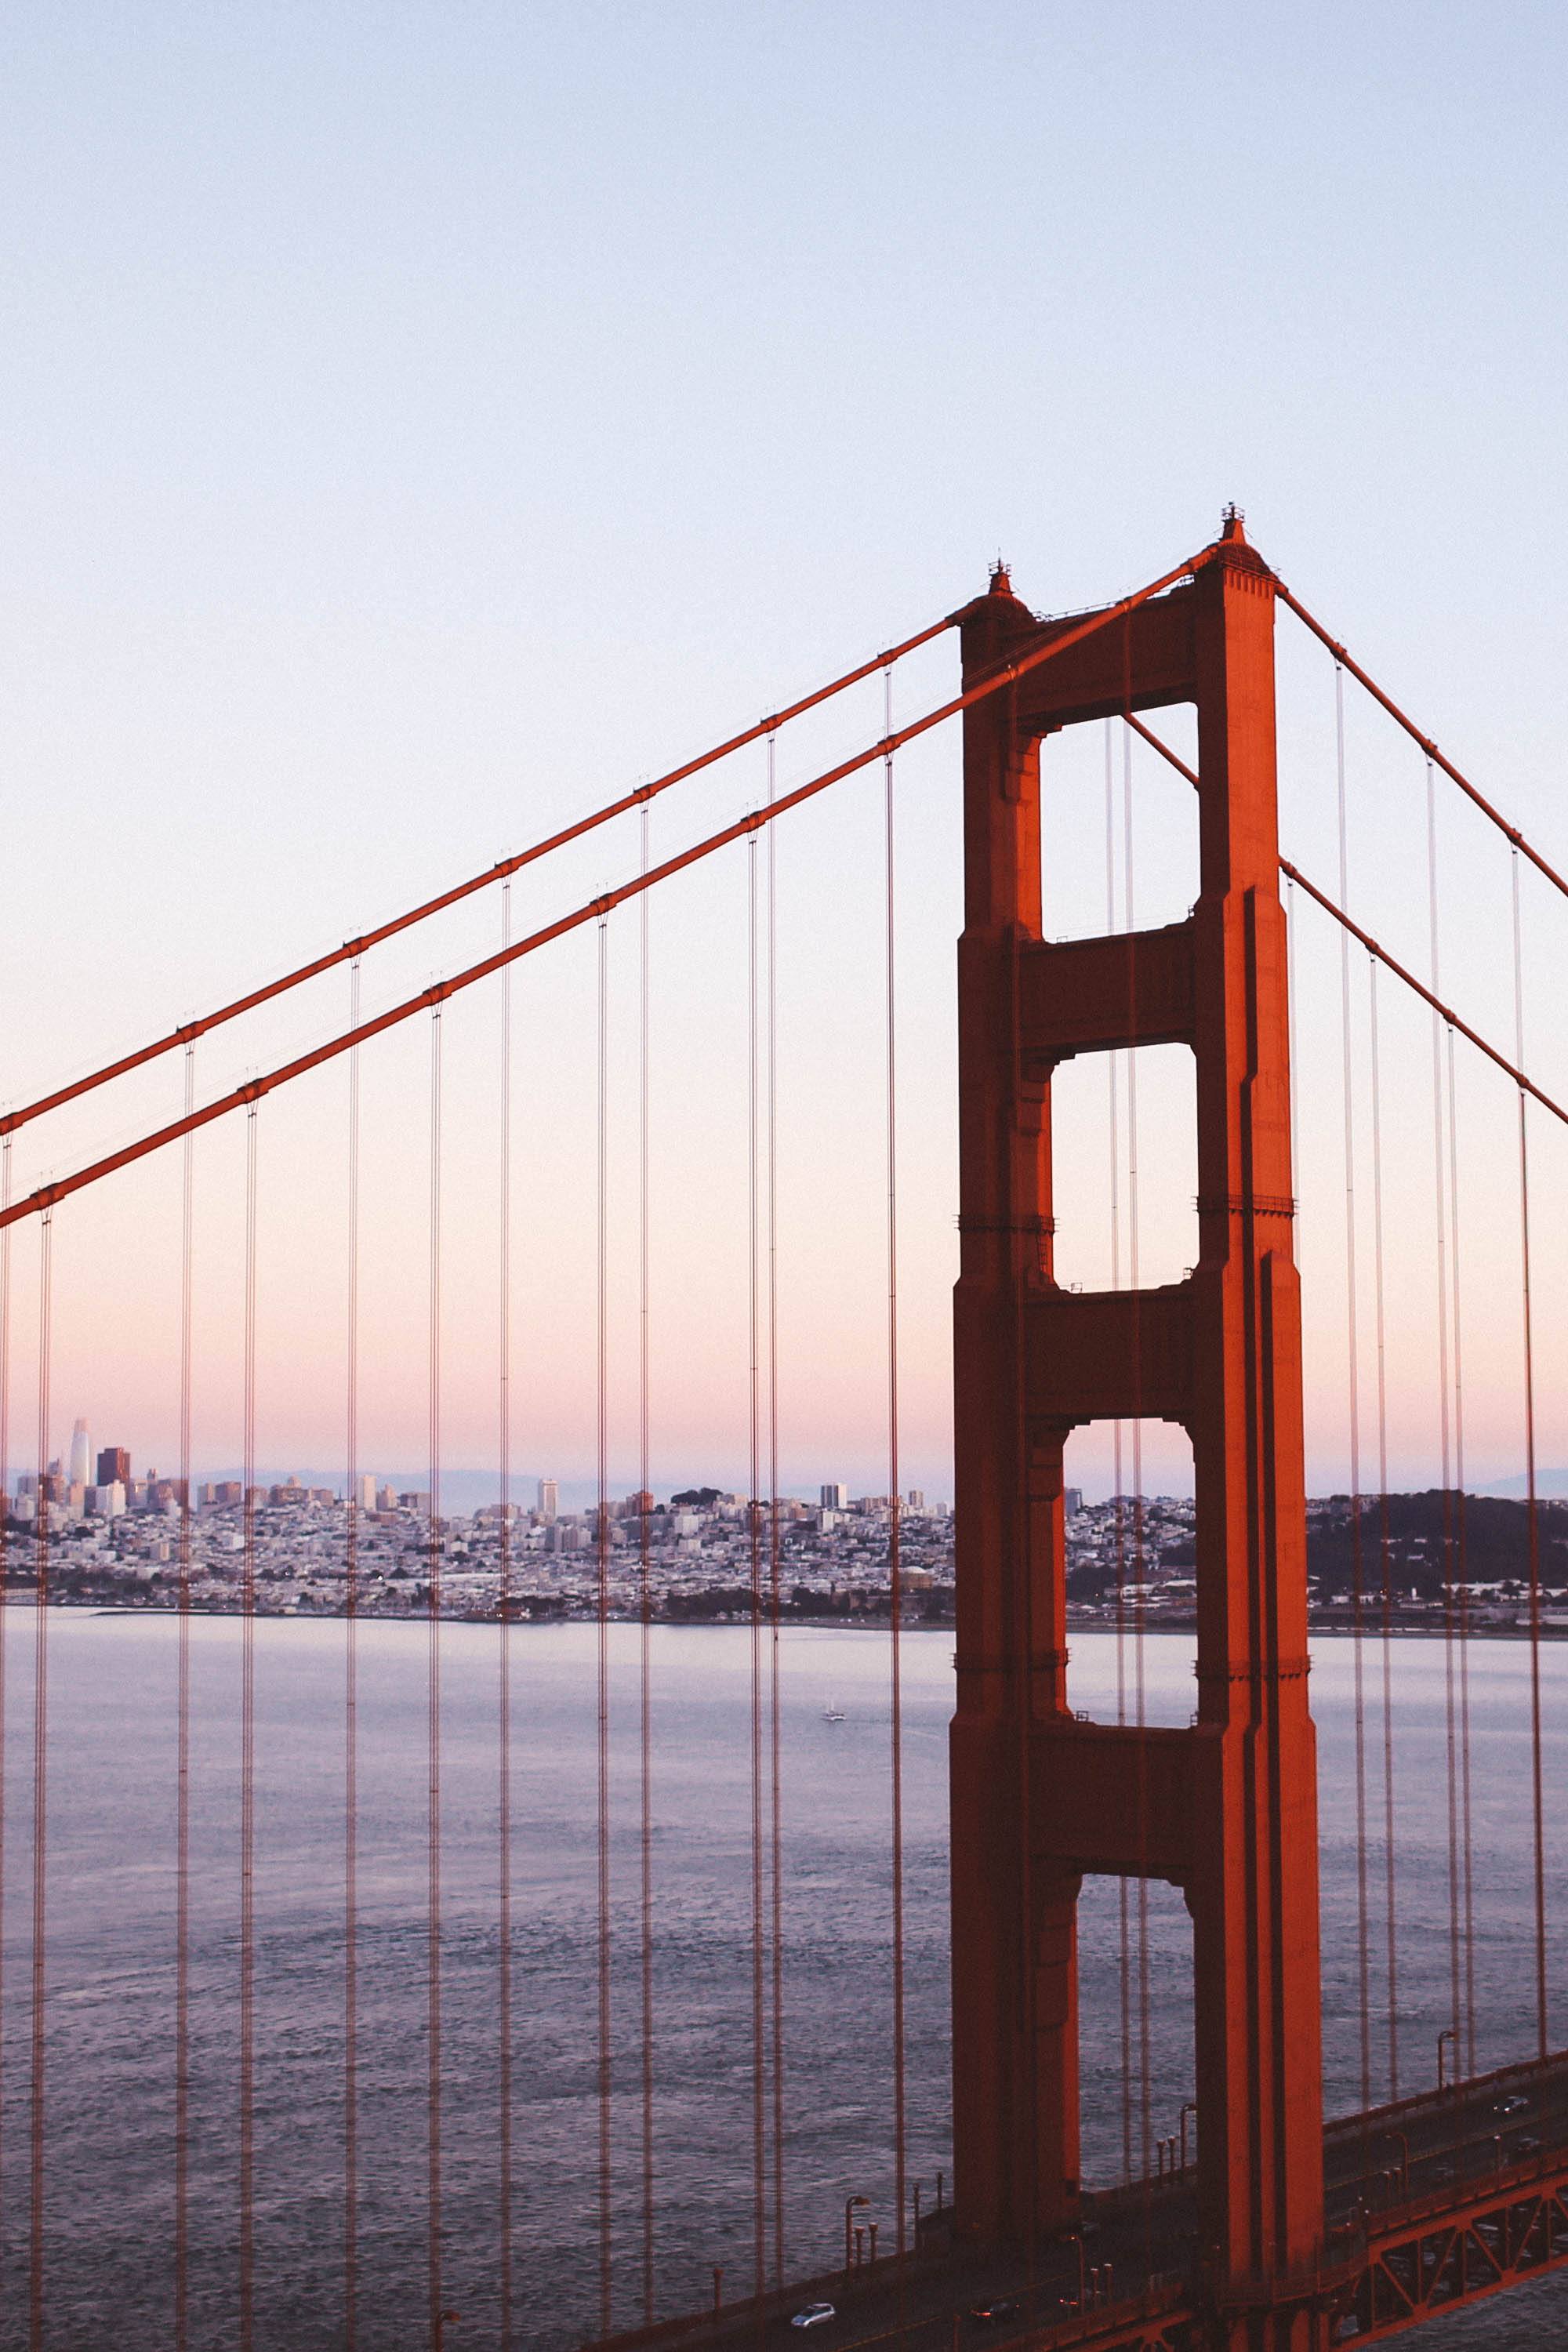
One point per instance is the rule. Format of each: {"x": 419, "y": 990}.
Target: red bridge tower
{"x": 1228, "y": 1810}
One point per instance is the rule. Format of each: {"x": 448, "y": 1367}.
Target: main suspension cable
{"x": 594, "y": 909}
{"x": 352, "y": 949}
{"x": 1344, "y": 661}
{"x": 1428, "y": 995}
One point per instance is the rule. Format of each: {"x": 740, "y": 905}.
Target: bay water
{"x": 109, "y": 1962}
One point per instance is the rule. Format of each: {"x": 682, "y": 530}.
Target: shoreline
{"x": 825, "y": 1624}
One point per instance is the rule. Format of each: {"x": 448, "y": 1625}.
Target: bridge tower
{"x": 1226, "y": 1810}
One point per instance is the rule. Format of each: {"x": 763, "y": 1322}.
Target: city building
{"x": 114, "y": 1466}
{"x": 834, "y": 1498}
{"x": 80, "y": 1457}
{"x": 548, "y": 1500}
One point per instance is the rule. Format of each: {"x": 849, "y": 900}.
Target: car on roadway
{"x": 813, "y": 2314}
{"x": 1526, "y": 2145}
{"x": 994, "y": 2308}
{"x": 1514, "y": 2104}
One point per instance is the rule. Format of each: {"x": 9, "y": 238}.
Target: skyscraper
{"x": 81, "y": 1456}
{"x": 114, "y": 1466}
{"x": 547, "y": 1501}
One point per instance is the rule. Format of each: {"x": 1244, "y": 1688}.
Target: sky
{"x": 419, "y": 424}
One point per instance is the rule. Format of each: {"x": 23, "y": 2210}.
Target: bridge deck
{"x": 1444, "y": 2199}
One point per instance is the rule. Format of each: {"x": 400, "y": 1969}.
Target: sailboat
{"x": 831, "y": 1713}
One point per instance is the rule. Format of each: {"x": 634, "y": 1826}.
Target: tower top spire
{"x": 1001, "y": 579}
{"x": 1233, "y": 525}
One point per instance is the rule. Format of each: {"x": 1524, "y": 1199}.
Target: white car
{"x": 812, "y": 2315}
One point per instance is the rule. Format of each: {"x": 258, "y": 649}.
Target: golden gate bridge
{"x": 1273, "y": 2229}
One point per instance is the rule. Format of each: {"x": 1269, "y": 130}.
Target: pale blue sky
{"x": 417, "y": 422}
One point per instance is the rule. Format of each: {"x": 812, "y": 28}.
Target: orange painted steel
{"x": 1372, "y": 947}
{"x": 188, "y": 1030}
{"x": 594, "y": 910}
{"x": 1528, "y": 1086}
{"x": 1228, "y": 1810}
{"x": 1440, "y": 759}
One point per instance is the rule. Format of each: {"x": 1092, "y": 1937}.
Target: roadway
{"x": 1434, "y": 2148}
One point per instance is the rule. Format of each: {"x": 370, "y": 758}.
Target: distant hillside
{"x": 1547, "y": 1481}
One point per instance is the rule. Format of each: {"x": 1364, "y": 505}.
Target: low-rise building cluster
{"x": 703, "y": 1555}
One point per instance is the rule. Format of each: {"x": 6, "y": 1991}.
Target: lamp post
{"x": 1404, "y": 2159}
{"x": 851, "y": 2205}
{"x": 1449, "y": 2034}
{"x": 919, "y": 2185}
{"x": 1190, "y": 2108}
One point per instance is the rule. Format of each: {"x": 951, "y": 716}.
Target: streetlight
{"x": 851, "y": 2205}
{"x": 1449, "y": 2034}
{"x": 1190, "y": 2109}
{"x": 919, "y": 2185}
{"x": 1405, "y": 2158}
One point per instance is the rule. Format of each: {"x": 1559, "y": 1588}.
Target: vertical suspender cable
{"x": 1537, "y": 1794}
{"x": 1145, "y": 2081}
{"x": 1295, "y": 1063}
{"x": 433, "y": 1694}
{"x": 503, "y": 1653}
{"x": 603, "y": 1631}
{"x": 895, "y": 1562}
{"x": 753, "y": 1531}
{"x": 1363, "y": 1938}
{"x": 5, "y": 1549}
{"x": 1450, "y": 1660}
{"x": 40, "y": 1790}
{"x": 775, "y": 1760}
{"x": 248, "y": 1774}
{"x": 351, "y": 1714}
{"x": 1123, "y": 1905}
{"x": 183, "y": 1751}
{"x": 645, "y": 1593}
{"x": 1390, "y": 1913}
{"x": 1465, "y": 1813}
